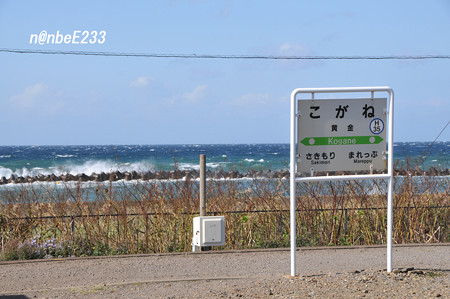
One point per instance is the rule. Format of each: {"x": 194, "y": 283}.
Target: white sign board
{"x": 341, "y": 134}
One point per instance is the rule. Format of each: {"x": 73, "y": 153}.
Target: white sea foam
{"x": 214, "y": 165}
{"x": 65, "y": 156}
{"x": 106, "y": 166}
{"x": 87, "y": 167}
{"x": 249, "y": 160}
{"x": 6, "y": 172}
{"x": 5, "y": 156}
{"x": 189, "y": 166}
{"x": 261, "y": 160}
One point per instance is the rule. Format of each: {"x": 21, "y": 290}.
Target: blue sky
{"x": 64, "y": 99}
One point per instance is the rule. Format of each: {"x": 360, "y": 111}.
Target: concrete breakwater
{"x": 148, "y": 175}
{"x": 185, "y": 174}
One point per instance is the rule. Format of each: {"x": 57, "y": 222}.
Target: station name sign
{"x": 341, "y": 134}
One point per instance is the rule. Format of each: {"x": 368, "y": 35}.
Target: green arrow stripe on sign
{"x": 345, "y": 140}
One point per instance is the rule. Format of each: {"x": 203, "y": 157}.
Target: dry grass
{"x": 156, "y": 216}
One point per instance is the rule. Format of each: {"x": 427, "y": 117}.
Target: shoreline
{"x": 193, "y": 175}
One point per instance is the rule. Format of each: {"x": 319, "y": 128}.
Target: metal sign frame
{"x": 293, "y": 162}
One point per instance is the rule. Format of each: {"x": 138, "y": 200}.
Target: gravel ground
{"x": 341, "y": 272}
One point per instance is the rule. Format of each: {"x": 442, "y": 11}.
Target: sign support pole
{"x": 292, "y": 185}
{"x": 293, "y": 165}
{"x": 391, "y": 180}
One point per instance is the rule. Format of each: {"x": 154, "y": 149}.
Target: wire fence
{"x": 257, "y": 228}
{"x": 215, "y": 213}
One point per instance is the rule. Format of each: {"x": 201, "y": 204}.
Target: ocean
{"x": 35, "y": 160}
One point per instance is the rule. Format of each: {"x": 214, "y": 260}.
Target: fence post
{"x": 202, "y": 185}
{"x": 346, "y": 220}
{"x": 73, "y": 226}
{"x": 409, "y": 225}
{"x": 281, "y": 224}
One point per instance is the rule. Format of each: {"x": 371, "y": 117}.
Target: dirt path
{"x": 332, "y": 271}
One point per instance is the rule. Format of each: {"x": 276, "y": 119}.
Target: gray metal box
{"x": 209, "y": 231}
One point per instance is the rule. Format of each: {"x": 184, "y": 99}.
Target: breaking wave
{"x": 87, "y": 167}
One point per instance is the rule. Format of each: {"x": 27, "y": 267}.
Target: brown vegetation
{"x": 156, "y": 216}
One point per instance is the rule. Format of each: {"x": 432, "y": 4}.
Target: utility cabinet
{"x": 208, "y": 231}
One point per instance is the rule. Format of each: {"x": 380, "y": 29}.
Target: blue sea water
{"x": 35, "y": 160}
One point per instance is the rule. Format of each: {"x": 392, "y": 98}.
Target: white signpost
{"x": 336, "y": 135}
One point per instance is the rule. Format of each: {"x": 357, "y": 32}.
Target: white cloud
{"x": 290, "y": 49}
{"x": 30, "y": 96}
{"x": 252, "y": 99}
{"x": 226, "y": 9}
{"x": 255, "y": 100}
{"x": 197, "y": 94}
{"x": 437, "y": 102}
{"x": 141, "y": 82}
{"x": 38, "y": 98}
